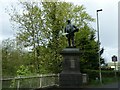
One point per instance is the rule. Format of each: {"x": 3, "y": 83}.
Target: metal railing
{"x": 39, "y": 81}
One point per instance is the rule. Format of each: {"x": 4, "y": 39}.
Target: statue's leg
{"x": 73, "y": 41}
{"x": 69, "y": 41}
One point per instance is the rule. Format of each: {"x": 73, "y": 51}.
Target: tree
{"x": 10, "y": 57}
{"x": 85, "y": 40}
{"x": 39, "y": 27}
{"x": 13, "y": 57}
{"x": 75, "y": 13}
{"x": 30, "y": 31}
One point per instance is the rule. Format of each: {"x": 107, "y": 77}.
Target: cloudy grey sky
{"x": 108, "y": 22}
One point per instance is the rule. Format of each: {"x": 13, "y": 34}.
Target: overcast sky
{"x": 108, "y": 22}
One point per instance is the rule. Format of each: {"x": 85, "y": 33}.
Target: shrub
{"x": 93, "y": 74}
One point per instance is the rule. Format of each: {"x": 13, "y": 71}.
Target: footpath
{"x": 111, "y": 85}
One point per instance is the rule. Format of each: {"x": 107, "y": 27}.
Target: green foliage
{"x": 13, "y": 57}
{"x": 85, "y": 40}
{"x": 10, "y": 58}
{"x": 23, "y": 71}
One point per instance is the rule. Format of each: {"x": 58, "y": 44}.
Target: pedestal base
{"x": 70, "y": 77}
{"x": 70, "y": 80}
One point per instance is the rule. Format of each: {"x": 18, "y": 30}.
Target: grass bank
{"x": 105, "y": 81}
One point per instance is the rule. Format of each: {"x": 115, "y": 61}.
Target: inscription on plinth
{"x": 72, "y": 62}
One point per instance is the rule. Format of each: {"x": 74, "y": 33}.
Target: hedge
{"x": 93, "y": 74}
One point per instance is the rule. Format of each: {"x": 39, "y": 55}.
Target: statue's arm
{"x": 74, "y": 26}
{"x": 76, "y": 29}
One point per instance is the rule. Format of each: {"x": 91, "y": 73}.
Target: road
{"x": 112, "y": 85}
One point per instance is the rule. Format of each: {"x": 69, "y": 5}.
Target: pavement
{"x": 111, "y": 86}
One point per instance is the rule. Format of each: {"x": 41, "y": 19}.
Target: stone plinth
{"x": 70, "y": 77}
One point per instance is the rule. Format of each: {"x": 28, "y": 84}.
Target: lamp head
{"x": 99, "y": 10}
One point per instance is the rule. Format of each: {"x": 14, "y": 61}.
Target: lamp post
{"x": 100, "y": 76}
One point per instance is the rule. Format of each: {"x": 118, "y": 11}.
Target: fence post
{"x": 18, "y": 83}
{"x": 57, "y": 82}
{"x": 40, "y": 81}
{"x": 54, "y": 79}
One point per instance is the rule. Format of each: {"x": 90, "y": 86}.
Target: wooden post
{"x": 40, "y": 81}
{"x": 18, "y": 83}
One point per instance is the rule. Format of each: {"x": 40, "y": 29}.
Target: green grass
{"x": 107, "y": 80}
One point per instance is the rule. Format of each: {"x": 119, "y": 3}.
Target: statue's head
{"x": 68, "y": 21}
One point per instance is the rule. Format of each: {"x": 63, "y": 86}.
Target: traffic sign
{"x": 114, "y": 58}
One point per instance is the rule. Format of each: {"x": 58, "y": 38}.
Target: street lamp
{"x": 99, "y": 47}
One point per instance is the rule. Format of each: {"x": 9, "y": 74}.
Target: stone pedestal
{"x": 70, "y": 77}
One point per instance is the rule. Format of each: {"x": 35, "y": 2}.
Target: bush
{"x": 93, "y": 74}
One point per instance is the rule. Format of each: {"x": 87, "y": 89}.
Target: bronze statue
{"x": 70, "y": 30}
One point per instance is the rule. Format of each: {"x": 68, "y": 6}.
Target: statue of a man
{"x": 70, "y": 30}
